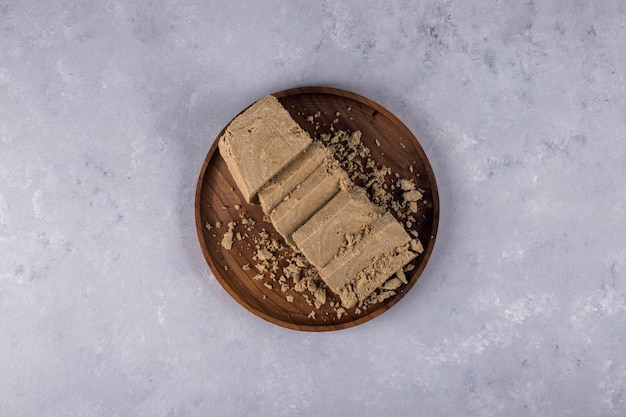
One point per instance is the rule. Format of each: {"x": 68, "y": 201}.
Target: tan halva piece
{"x": 381, "y": 268}
{"x": 306, "y": 199}
{"x": 384, "y": 235}
{"x": 289, "y": 178}
{"x": 259, "y": 143}
{"x": 323, "y": 235}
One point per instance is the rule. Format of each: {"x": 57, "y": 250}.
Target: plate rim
{"x": 382, "y": 307}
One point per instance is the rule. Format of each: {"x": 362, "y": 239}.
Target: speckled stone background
{"x": 107, "y": 110}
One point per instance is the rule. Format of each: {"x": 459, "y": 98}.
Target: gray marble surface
{"x": 107, "y": 109}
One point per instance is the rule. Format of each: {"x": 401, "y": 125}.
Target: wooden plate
{"x": 218, "y": 200}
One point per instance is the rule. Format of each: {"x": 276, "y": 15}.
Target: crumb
{"x": 405, "y": 184}
{"x": 246, "y": 267}
{"x": 392, "y": 284}
{"x": 320, "y": 297}
{"x": 337, "y": 114}
{"x": 267, "y": 285}
{"x": 208, "y": 226}
{"x": 401, "y": 276}
{"x": 311, "y": 315}
{"x": 263, "y": 255}
{"x": 306, "y": 298}
{"x": 412, "y": 195}
{"x": 289, "y": 298}
{"x": 237, "y": 206}
{"x": 311, "y": 286}
{"x": 384, "y": 295}
{"x": 416, "y": 246}
{"x": 227, "y": 240}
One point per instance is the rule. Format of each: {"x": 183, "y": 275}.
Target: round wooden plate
{"x": 218, "y": 200}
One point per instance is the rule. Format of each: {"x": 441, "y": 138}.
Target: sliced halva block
{"x": 259, "y": 143}
{"x": 323, "y": 235}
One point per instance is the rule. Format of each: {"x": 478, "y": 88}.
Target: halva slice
{"x": 291, "y": 176}
{"x": 375, "y": 275}
{"x": 384, "y": 235}
{"x": 306, "y": 199}
{"x": 323, "y": 235}
{"x": 381, "y": 268}
{"x": 259, "y": 143}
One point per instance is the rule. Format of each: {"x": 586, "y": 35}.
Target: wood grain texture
{"x": 217, "y": 198}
